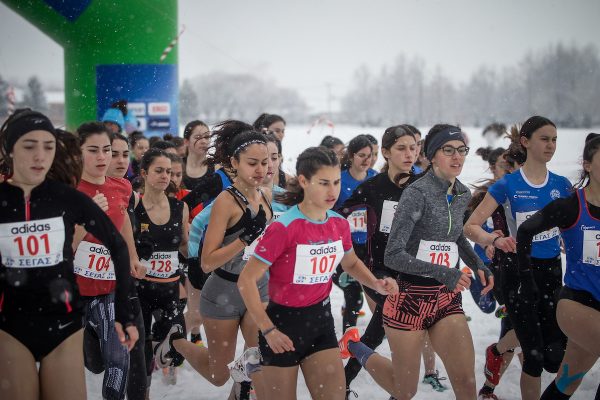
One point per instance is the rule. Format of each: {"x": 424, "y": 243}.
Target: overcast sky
{"x": 308, "y": 44}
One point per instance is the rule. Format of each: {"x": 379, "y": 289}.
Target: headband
{"x": 246, "y": 144}
{"x": 23, "y": 124}
{"x": 441, "y": 138}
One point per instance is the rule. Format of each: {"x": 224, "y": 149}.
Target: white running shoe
{"x": 245, "y": 365}
{"x": 161, "y": 350}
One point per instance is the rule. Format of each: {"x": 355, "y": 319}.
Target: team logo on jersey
{"x": 555, "y": 194}
{"x": 144, "y": 227}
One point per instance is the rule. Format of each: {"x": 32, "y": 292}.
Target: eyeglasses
{"x": 450, "y": 150}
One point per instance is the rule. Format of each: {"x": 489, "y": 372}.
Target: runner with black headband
{"x": 40, "y": 304}
{"x": 425, "y": 242}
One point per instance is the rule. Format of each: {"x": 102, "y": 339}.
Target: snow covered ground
{"x": 484, "y": 328}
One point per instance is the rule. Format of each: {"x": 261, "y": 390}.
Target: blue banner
{"x": 151, "y": 91}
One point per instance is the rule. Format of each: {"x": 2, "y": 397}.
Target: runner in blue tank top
{"x": 523, "y": 193}
{"x": 578, "y": 310}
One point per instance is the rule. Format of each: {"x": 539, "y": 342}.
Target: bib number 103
{"x": 440, "y": 259}
{"x": 323, "y": 264}
{"x": 32, "y": 244}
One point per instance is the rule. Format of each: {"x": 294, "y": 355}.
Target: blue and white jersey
{"x": 582, "y": 245}
{"x": 521, "y": 199}
{"x": 488, "y": 226}
{"x": 348, "y": 184}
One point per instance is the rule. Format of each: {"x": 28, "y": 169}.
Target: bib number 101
{"x": 440, "y": 259}
{"x": 32, "y": 243}
{"x": 324, "y": 264}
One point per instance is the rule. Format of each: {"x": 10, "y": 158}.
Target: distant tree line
{"x": 561, "y": 82}
{"x": 33, "y": 96}
{"x": 217, "y": 96}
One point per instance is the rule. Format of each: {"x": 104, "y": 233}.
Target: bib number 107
{"x": 440, "y": 259}
{"x": 324, "y": 264}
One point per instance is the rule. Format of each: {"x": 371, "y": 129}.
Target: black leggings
{"x": 352, "y": 297}
{"x": 163, "y": 298}
{"x": 541, "y": 339}
{"x": 374, "y": 334}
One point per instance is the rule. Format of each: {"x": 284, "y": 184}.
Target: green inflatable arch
{"x": 112, "y": 51}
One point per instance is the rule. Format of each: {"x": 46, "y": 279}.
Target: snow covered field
{"x": 484, "y": 328}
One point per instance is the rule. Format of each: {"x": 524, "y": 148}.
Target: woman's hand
{"x": 386, "y": 286}
{"x": 279, "y": 342}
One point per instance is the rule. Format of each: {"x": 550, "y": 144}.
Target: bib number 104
{"x": 324, "y": 264}
{"x": 440, "y": 258}
{"x": 32, "y": 243}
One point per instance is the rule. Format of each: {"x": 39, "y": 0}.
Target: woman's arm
{"x": 251, "y": 274}
{"x": 137, "y": 268}
{"x": 358, "y": 270}
{"x": 213, "y": 255}
{"x": 183, "y": 246}
{"x": 476, "y": 233}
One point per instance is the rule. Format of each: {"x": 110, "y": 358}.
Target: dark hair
{"x": 437, "y": 128}
{"x": 189, "y": 128}
{"x": 331, "y": 141}
{"x": 240, "y": 143}
{"x": 118, "y": 136}
{"x": 489, "y": 154}
{"x": 270, "y": 138}
{"x": 135, "y": 137}
{"x": 264, "y": 121}
{"x": 496, "y": 127}
{"x": 88, "y": 129}
{"x": 67, "y": 164}
{"x": 175, "y": 158}
{"x": 390, "y": 136}
{"x": 121, "y": 105}
{"x": 307, "y": 165}
{"x": 592, "y": 145}
{"x": 151, "y": 155}
{"x": 372, "y": 139}
{"x": 516, "y": 151}
{"x": 177, "y": 141}
{"x": 413, "y": 129}
{"x": 222, "y": 136}
{"x": 163, "y": 145}
{"x": 356, "y": 144}
{"x": 153, "y": 140}
{"x": 591, "y": 136}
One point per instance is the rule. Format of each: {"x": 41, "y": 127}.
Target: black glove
{"x": 144, "y": 245}
{"x": 253, "y": 227}
{"x": 528, "y": 291}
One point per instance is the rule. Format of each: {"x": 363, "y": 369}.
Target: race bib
{"x": 387, "y": 215}
{"x": 315, "y": 263}
{"x": 591, "y": 247}
{"x": 32, "y": 244}
{"x": 276, "y": 215}
{"x": 358, "y": 221}
{"x": 92, "y": 260}
{"x": 440, "y": 253}
{"x": 552, "y": 233}
{"x": 162, "y": 264}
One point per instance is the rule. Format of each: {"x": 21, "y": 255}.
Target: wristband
{"x": 494, "y": 241}
{"x": 267, "y": 331}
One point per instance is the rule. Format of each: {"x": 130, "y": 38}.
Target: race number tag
{"x": 162, "y": 264}
{"x": 387, "y": 216}
{"x": 552, "y": 233}
{"x": 358, "y": 221}
{"x": 591, "y": 247}
{"x": 315, "y": 263}
{"x": 92, "y": 260}
{"x": 32, "y": 244}
{"x": 440, "y": 253}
